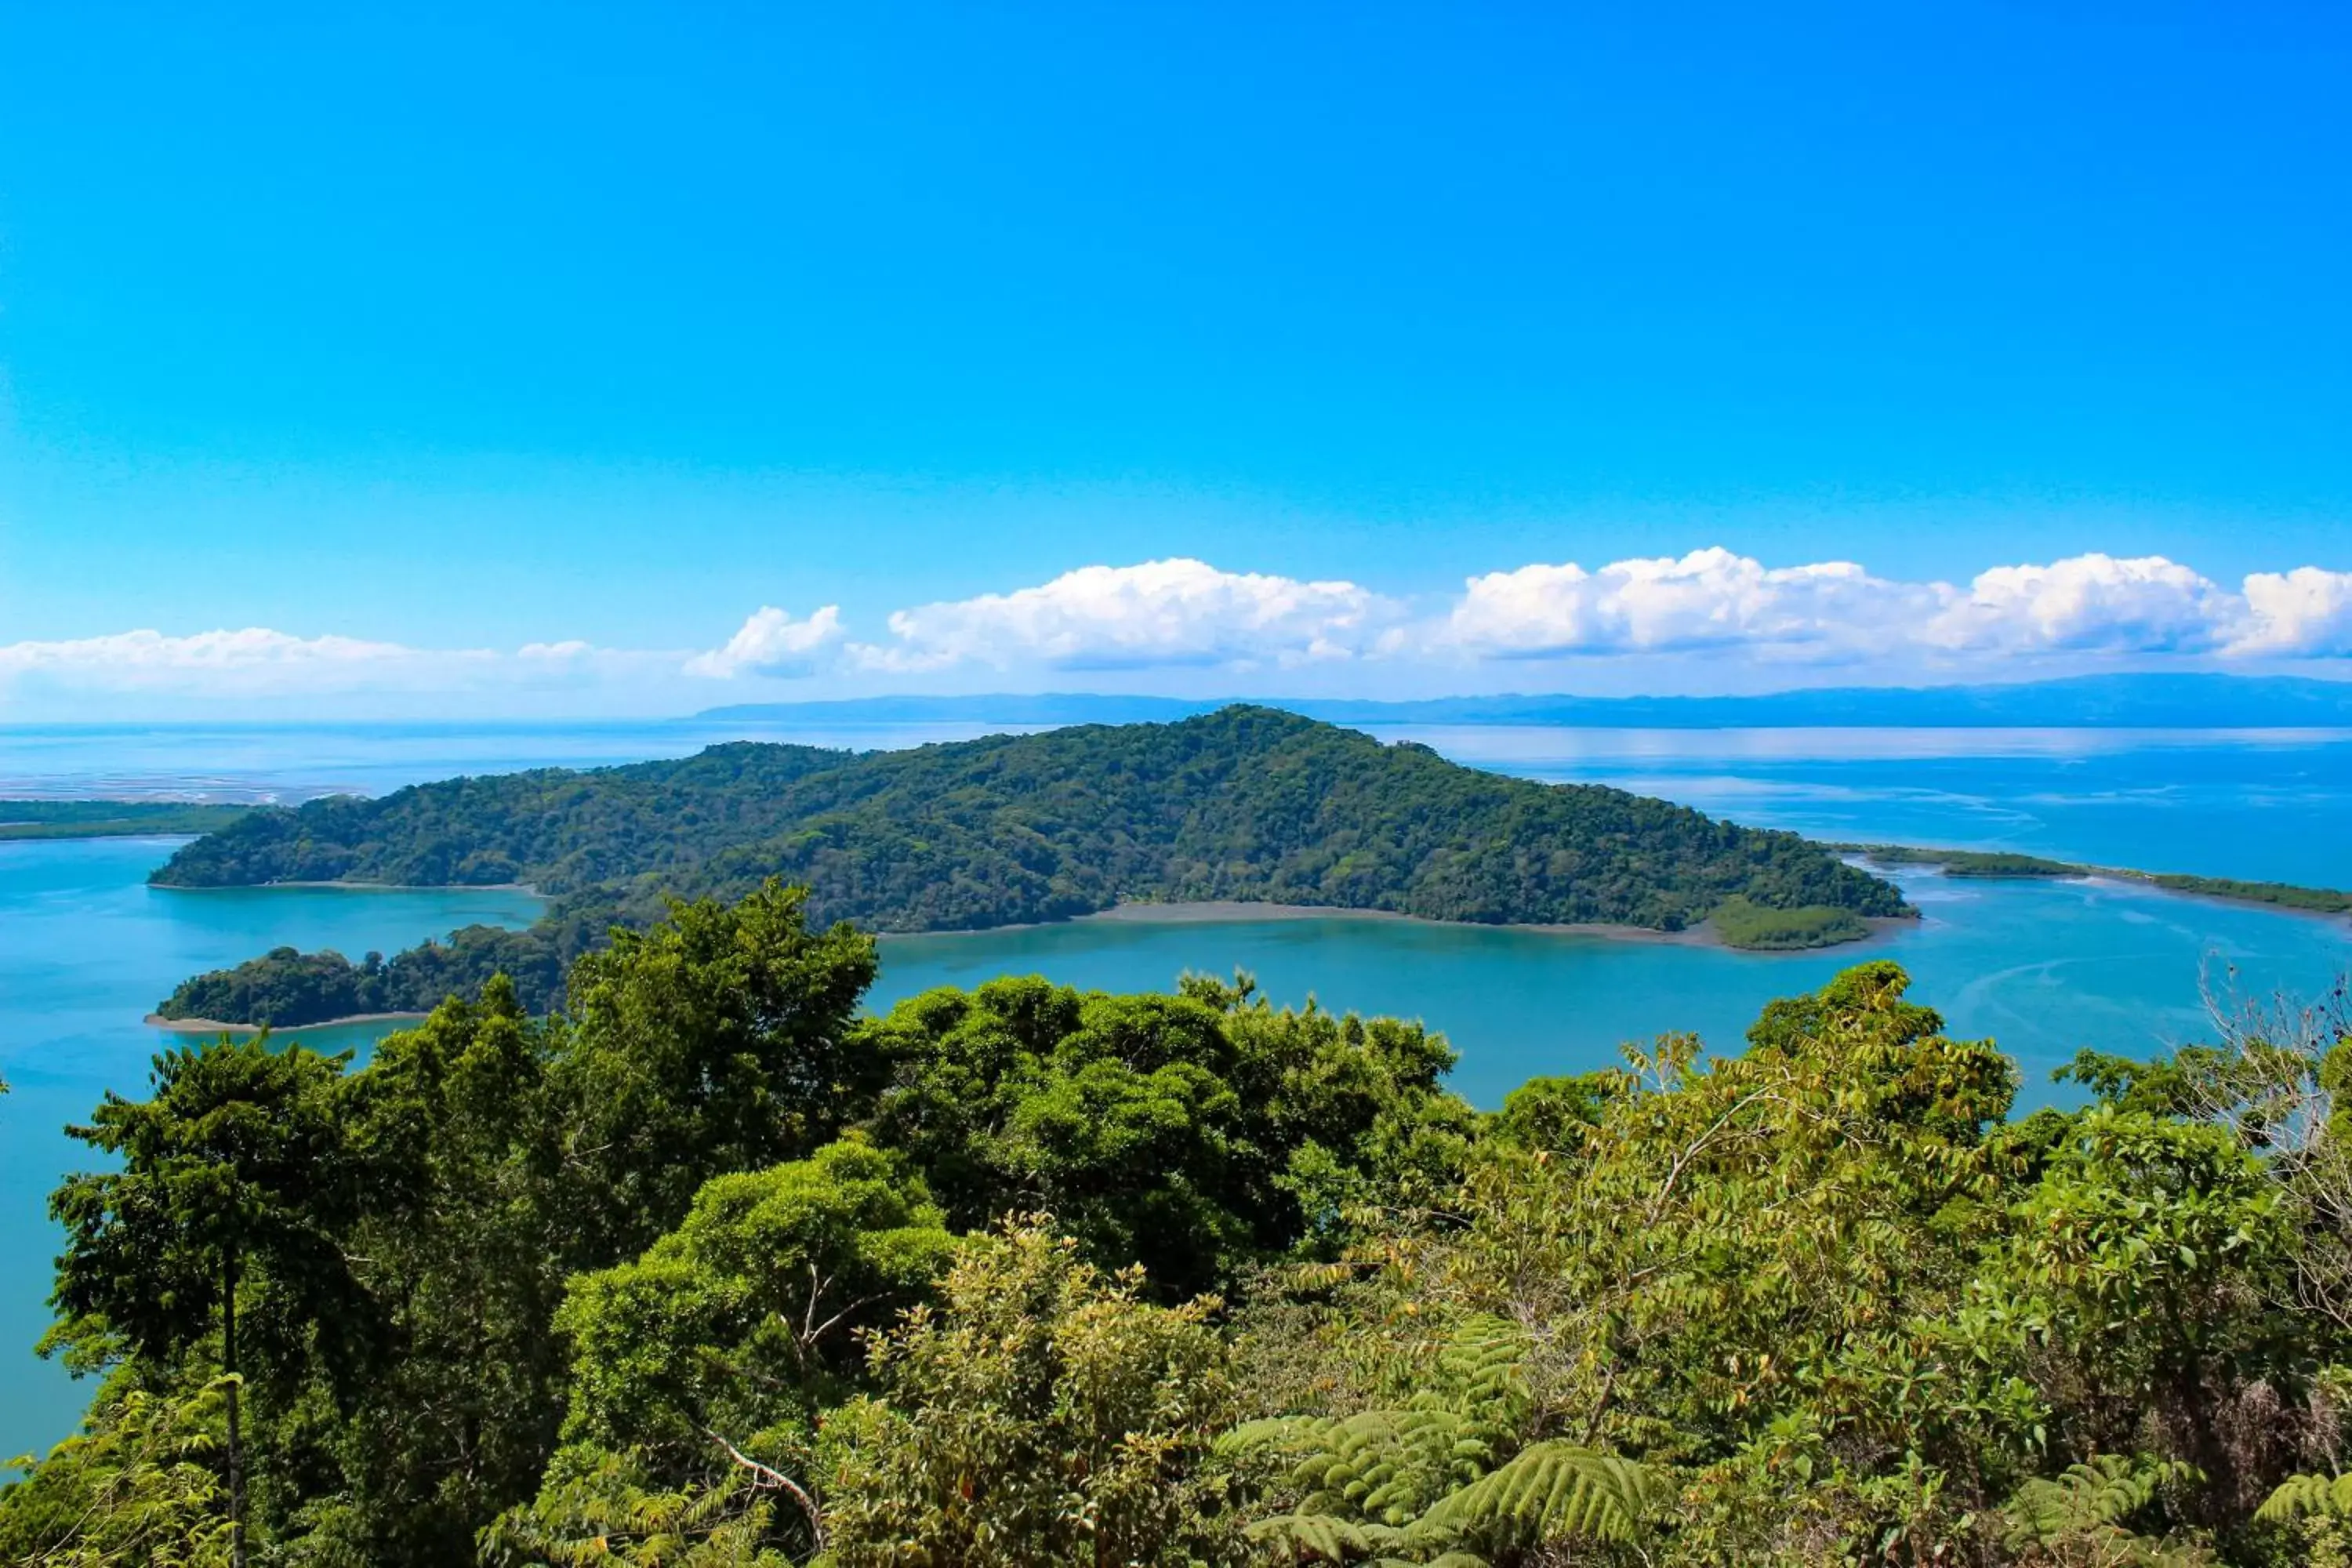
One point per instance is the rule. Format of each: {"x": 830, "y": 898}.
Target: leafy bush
{"x": 1742, "y": 923}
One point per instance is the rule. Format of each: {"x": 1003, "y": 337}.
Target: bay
{"x": 2044, "y": 969}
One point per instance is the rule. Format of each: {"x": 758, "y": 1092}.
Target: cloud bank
{"x": 1836, "y": 610}
{"x": 1705, "y": 610}
{"x": 1161, "y": 613}
{"x": 257, "y": 663}
{"x": 1708, "y": 599}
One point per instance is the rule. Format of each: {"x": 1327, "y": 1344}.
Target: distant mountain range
{"x": 2113, "y": 702}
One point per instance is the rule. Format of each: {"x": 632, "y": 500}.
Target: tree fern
{"x": 2094, "y": 1501}
{"x": 2309, "y": 1497}
{"x": 1550, "y": 1491}
{"x": 1443, "y": 1478}
{"x": 1387, "y": 1466}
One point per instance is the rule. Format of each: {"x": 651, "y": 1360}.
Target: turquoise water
{"x": 2268, "y": 805}
{"x": 2044, "y": 968}
{"x": 86, "y": 948}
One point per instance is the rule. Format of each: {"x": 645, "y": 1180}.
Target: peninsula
{"x": 1244, "y": 804}
{"x": 2003, "y": 863}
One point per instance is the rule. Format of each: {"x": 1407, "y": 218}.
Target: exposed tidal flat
{"x": 2043, "y": 967}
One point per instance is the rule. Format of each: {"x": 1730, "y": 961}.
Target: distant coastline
{"x": 22, "y": 820}
{"x": 2154, "y": 701}
{"x": 2011, "y": 866}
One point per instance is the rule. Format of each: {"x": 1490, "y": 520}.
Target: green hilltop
{"x": 1244, "y": 804}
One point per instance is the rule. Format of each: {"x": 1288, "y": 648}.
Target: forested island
{"x": 711, "y": 1268}
{"x": 1244, "y": 804}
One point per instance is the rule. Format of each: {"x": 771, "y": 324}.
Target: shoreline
{"x": 215, "y": 1026}
{"x": 1239, "y": 911}
{"x": 1228, "y": 911}
{"x": 356, "y": 887}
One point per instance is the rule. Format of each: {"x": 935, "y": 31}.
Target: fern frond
{"x": 1550, "y": 1491}
{"x": 2309, "y": 1496}
{"x": 2099, "y": 1494}
{"x": 1318, "y": 1538}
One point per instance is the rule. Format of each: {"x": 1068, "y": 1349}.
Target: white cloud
{"x": 1161, "y": 613}
{"x": 558, "y": 652}
{"x": 148, "y": 657}
{"x": 2305, "y": 613}
{"x": 770, "y": 642}
{"x": 2091, "y": 605}
{"x": 1679, "y": 621}
{"x": 1708, "y": 598}
{"x": 2094, "y": 604}
{"x": 259, "y": 663}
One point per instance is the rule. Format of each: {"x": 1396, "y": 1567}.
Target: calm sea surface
{"x": 86, "y": 948}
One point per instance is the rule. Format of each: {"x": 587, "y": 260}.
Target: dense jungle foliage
{"x": 1246, "y": 802}
{"x": 709, "y": 1267}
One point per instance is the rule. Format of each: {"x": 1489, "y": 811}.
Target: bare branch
{"x": 767, "y": 1477}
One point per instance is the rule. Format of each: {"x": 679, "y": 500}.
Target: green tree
{"x": 2144, "y": 1272}
{"x": 232, "y": 1188}
{"x": 1195, "y": 1134}
{"x": 719, "y": 1040}
{"x": 746, "y": 1320}
{"x": 1740, "y": 1272}
{"x": 1043, "y": 1416}
{"x": 139, "y": 1483}
{"x": 461, "y": 1246}
{"x": 699, "y": 1370}
{"x": 501, "y": 1155}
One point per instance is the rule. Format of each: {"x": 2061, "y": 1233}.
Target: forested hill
{"x": 1246, "y": 802}
{"x": 1243, "y": 803}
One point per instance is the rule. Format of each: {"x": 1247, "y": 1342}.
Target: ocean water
{"x": 2264, "y": 805}
{"x": 289, "y": 762}
{"x": 2045, "y": 969}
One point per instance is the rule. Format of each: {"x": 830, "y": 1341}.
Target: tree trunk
{"x": 236, "y": 1448}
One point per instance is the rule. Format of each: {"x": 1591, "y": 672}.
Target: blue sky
{"x": 387, "y": 344}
